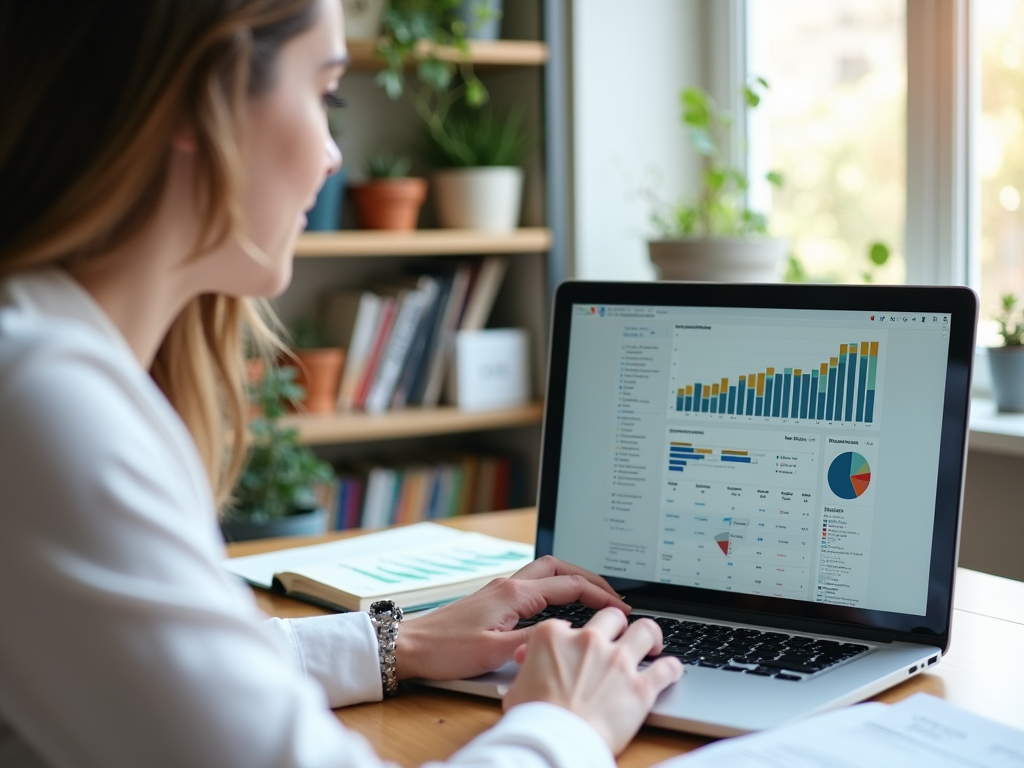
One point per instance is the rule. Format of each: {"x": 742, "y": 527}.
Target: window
{"x": 834, "y": 123}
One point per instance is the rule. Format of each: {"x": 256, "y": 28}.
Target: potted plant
{"x": 482, "y": 18}
{"x": 478, "y": 183}
{"x": 1006, "y": 363}
{"x": 319, "y": 367}
{"x": 276, "y": 494}
{"x": 716, "y": 236}
{"x": 363, "y": 18}
{"x": 325, "y": 215}
{"x": 389, "y": 198}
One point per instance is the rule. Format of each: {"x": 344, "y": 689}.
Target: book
{"x": 359, "y": 343}
{"x": 410, "y": 387}
{"x": 430, "y": 394}
{"x": 418, "y": 566}
{"x": 485, "y": 291}
{"x": 414, "y": 304}
{"x": 381, "y": 332}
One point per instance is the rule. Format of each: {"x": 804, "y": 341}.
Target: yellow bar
{"x": 689, "y": 389}
{"x": 686, "y": 444}
{"x": 743, "y": 379}
{"x": 770, "y": 372}
{"x": 874, "y": 349}
{"x": 714, "y": 390}
{"x": 824, "y": 369}
{"x": 797, "y": 372}
{"x": 842, "y": 349}
{"x": 727, "y": 452}
{"x": 705, "y": 451}
{"x": 707, "y": 391}
{"x": 863, "y": 348}
{"x": 833, "y": 361}
{"x": 681, "y": 392}
{"x": 725, "y": 386}
{"x": 760, "y": 385}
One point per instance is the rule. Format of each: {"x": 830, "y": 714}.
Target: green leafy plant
{"x": 484, "y": 137}
{"x": 384, "y": 165}
{"x": 281, "y": 476}
{"x": 720, "y": 209}
{"x": 877, "y": 256}
{"x": 1011, "y": 320}
{"x": 429, "y": 34}
{"x": 306, "y": 334}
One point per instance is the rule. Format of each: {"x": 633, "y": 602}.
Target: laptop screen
{"x": 787, "y": 453}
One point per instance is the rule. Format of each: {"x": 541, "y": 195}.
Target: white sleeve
{"x": 125, "y": 643}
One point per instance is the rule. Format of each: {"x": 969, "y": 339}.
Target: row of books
{"x": 398, "y": 336}
{"x": 375, "y": 496}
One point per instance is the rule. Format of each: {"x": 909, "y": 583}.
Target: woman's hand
{"x": 477, "y": 633}
{"x": 593, "y": 672}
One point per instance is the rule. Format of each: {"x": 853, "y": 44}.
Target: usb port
{"x": 932, "y": 660}
{"x": 913, "y": 669}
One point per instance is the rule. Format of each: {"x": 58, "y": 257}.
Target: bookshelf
{"x": 332, "y": 429}
{"x": 421, "y": 242}
{"x": 517, "y": 72}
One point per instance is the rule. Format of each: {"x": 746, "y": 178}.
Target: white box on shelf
{"x": 490, "y": 369}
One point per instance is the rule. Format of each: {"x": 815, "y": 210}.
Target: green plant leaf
{"x": 701, "y": 140}
{"x": 878, "y": 252}
{"x": 696, "y": 107}
{"x": 775, "y": 178}
{"x": 391, "y": 82}
{"x": 751, "y": 98}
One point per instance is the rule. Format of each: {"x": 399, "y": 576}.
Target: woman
{"x": 155, "y": 162}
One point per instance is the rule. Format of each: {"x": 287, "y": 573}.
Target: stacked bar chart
{"x": 681, "y": 454}
{"x": 839, "y": 389}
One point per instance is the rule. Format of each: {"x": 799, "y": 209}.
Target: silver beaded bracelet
{"x": 386, "y": 616}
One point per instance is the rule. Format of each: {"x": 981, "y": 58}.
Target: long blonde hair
{"x": 92, "y": 94}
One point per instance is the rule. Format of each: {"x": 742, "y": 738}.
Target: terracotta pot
{"x": 389, "y": 203}
{"x": 724, "y": 260}
{"x": 319, "y": 375}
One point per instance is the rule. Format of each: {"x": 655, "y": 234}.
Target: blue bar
{"x": 675, "y": 469}
{"x": 758, "y": 405}
{"x": 869, "y": 406}
{"x": 805, "y": 390}
{"x": 731, "y": 405}
{"x": 696, "y": 456}
{"x": 851, "y": 370}
{"x": 705, "y": 404}
{"x": 750, "y": 401}
{"x": 840, "y": 380}
{"x": 679, "y": 403}
{"x": 680, "y": 449}
{"x": 796, "y": 397}
{"x": 786, "y": 383}
{"x": 714, "y": 403}
{"x": 861, "y": 387}
{"x": 676, "y": 463}
{"x": 777, "y": 396}
{"x": 741, "y": 392}
{"x": 831, "y": 401}
{"x": 739, "y": 459}
{"x": 821, "y": 406}
{"x": 698, "y": 397}
{"x": 689, "y": 402}
{"x": 769, "y": 383}
{"x": 722, "y": 398}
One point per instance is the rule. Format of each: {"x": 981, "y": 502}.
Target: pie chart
{"x": 849, "y": 475}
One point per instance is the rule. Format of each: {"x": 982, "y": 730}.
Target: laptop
{"x": 773, "y": 472}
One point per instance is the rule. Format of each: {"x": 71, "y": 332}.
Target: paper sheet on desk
{"x": 919, "y": 731}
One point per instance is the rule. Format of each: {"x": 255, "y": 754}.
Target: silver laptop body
{"x": 783, "y": 458}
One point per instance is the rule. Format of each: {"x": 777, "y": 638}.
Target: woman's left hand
{"x": 477, "y": 633}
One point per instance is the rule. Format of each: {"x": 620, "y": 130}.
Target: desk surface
{"x": 982, "y": 671}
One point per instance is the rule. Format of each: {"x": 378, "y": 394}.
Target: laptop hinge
{"x": 792, "y": 623}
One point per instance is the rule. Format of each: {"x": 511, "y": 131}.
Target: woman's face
{"x": 287, "y": 153}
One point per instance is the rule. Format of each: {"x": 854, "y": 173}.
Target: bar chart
{"x": 842, "y": 388}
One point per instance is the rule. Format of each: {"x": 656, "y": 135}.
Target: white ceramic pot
{"x": 724, "y": 260}
{"x": 478, "y": 198}
{"x": 1007, "y": 367}
{"x": 362, "y": 18}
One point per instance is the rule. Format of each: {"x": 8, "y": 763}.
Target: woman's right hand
{"x": 592, "y": 672}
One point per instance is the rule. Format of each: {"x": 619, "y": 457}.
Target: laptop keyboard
{"x": 733, "y": 649}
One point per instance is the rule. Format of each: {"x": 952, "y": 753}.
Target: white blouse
{"x": 123, "y": 643}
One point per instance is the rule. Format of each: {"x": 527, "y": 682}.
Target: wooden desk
{"x": 982, "y": 672}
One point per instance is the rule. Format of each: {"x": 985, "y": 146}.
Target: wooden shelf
{"x": 484, "y": 53}
{"x": 422, "y": 242}
{"x": 411, "y": 422}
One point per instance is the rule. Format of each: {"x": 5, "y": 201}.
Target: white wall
{"x": 630, "y": 61}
